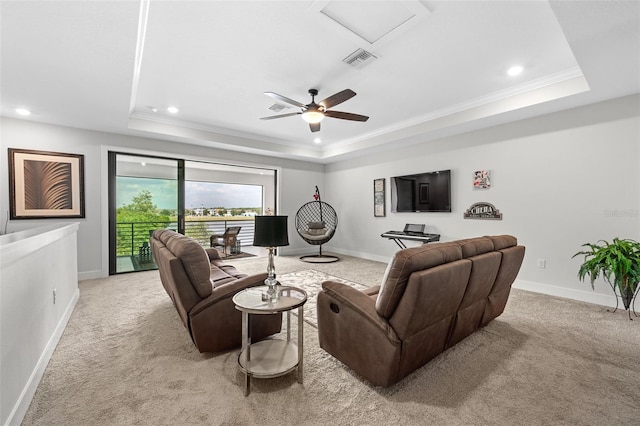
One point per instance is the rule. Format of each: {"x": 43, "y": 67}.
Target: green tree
{"x": 198, "y": 231}
{"x": 135, "y": 221}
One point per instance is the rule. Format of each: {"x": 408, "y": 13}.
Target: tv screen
{"x": 423, "y": 192}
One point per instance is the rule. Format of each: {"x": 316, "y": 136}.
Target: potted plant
{"x": 618, "y": 262}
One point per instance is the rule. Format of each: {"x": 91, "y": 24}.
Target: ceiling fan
{"x": 314, "y": 113}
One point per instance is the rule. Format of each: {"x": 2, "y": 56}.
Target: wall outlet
{"x": 542, "y": 263}
{"x": 54, "y": 296}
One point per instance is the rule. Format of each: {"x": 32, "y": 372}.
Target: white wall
{"x": 297, "y": 179}
{"x": 297, "y": 188}
{"x": 560, "y": 181}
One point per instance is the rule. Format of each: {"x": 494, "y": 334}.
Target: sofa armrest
{"x": 213, "y": 254}
{"x": 216, "y": 325}
{"x": 359, "y": 302}
{"x": 350, "y": 329}
{"x": 228, "y": 290}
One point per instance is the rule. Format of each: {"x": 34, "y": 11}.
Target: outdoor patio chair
{"x": 228, "y": 239}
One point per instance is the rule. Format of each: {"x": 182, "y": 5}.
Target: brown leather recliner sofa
{"x": 201, "y": 287}
{"x": 431, "y": 297}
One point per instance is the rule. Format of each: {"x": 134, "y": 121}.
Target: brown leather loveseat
{"x": 201, "y": 287}
{"x": 431, "y": 297}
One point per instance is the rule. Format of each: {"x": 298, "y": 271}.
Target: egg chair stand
{"x": 316, "y": 223}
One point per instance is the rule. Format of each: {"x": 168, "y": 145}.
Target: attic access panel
{"x": 376, "y": 23}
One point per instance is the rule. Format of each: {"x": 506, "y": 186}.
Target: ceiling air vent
{"x": 359, "y": 58}
{"x": 278, "y": 107}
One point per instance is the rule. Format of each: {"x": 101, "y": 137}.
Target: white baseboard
{"x": 608, "y": 300}
{"x": 362, "y": 255}
{"x": 91, "y": 275}
{"x": 567, "y": 293}
{"x": 22, "y": 404}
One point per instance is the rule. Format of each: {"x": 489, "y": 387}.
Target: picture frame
{"x": 379, "y": 209}
{"x": 45, "y": 185}
{"x": 482, "y": 179}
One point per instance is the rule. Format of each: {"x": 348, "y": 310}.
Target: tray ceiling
{"x": 439, "y": 68}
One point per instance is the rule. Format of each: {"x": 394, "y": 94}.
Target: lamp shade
{"x": 271, "y": 231}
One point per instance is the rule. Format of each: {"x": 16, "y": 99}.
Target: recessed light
{"x": 23, "y": 111}
{"x": 317, "y": 140}
{"x": 143, "y": 164}
{"x": 172, "y": 109}
{"x": 515, "y": 70}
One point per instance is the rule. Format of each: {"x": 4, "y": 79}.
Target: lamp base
{"x": 271, "y": 282}
{"x": 272, "y": 293}
{"x": 273, "y": 289}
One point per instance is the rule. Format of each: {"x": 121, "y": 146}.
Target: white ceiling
{"x": 440, "y": 67}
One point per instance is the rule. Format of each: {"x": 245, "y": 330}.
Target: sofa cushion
{"x": 164, "y": 235}
{"x": 403, "y": 264}
{"x": 195, "y": 262}
{"x": 475, "y": 246}
{"x": 230, "y": 270}
{"x": 503, "y": 241}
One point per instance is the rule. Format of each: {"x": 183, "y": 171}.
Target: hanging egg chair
{"x": 316, "y": 223}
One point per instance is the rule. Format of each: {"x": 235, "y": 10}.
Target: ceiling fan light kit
{"x": 313, "y": 113}
{"x": 313, "y": 116}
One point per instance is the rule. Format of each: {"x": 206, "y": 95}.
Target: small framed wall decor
{"x": 45, "y": 185}
{"x": 378, "y": 198}
{"x": 482, "y": 179}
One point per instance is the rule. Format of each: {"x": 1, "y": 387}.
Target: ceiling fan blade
{"x": 337, "y": 98}
{"x": 284, "y": 99}
{"x": 346, "y": 116}
{"x": 271, "y": 117}
{"x": 315, "y": 127}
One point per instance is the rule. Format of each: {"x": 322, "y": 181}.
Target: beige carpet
{"x": 126, "y": 359}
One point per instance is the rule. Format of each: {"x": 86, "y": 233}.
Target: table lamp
{"x": 271, "y": 232}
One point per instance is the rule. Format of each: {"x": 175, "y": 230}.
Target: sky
{"x": 197, "y": 194}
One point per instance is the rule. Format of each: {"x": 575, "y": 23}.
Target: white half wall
{"x": 38, "y": 291}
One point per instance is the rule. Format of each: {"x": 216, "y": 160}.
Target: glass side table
{"x": 270, "y": 357}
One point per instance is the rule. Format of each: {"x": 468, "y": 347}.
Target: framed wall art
{"x": 482, "y": 179}
{"x": 378, "y": 198}
{"x": 45, "y": 185}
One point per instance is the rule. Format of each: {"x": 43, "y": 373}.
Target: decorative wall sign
{"x": 45, "y": 185}
{"x": 483, "y": 211}
{"x": 378, "y": 198}
{"x": 482, "y": 179}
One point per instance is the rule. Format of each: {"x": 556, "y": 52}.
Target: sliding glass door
{"x": 198, "y": 199}
{"x": 219, "y": 196}
{"x": 144, "y": 196}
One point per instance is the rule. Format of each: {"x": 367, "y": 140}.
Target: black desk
{"x": 398, "y": 236}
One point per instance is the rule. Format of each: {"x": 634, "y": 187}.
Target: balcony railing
{"x": 132, "y": 238}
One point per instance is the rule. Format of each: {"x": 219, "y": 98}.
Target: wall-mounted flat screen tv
{"x": 423, "y": 192}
